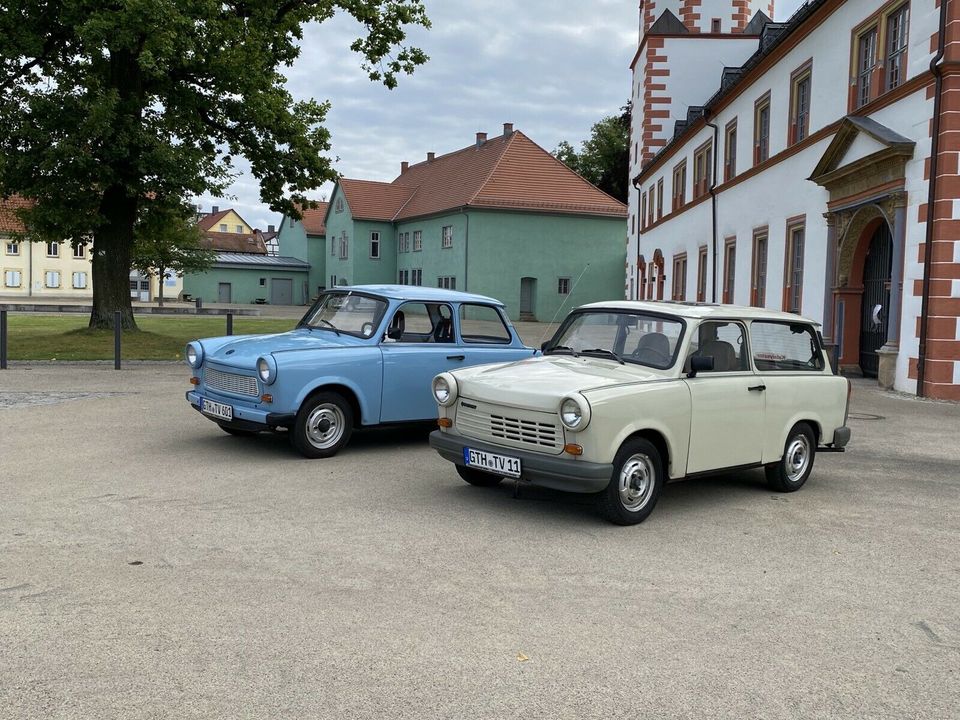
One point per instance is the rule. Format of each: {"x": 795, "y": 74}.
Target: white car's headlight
{"x": 445, "y": 389}
{"x": 267, "y": 369}
{"x": 194, "y": 354}
{"x": 574, "y": 413}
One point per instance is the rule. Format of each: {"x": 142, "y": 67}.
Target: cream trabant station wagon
{"x": 629, "y": 395}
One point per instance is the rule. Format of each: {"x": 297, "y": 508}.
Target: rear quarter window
{"x": 482, "y": 324}
{"x": 785, "y": 347}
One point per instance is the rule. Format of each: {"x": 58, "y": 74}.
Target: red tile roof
{"x": 314, "y": 219}
{"x": 234, "y": 242}
{"x": 9, "y": 222}
{"x": 371, "y": 200}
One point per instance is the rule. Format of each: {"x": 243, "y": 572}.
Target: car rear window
{"x": 785, "y": 347}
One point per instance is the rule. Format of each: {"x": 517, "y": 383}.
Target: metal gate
{"x": 876, "y": 299}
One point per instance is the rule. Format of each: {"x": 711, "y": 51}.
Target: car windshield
{"x": 621, "y": 336}
{"x": 345, "y": 312}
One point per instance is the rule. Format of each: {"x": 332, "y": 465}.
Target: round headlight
{"x": 267, "y": 370}
{"x": 445, "y": 389}
{"x": 194, "y": 354}
{"x": 574, "y": 413}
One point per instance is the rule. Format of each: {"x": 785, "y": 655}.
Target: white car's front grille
{"x": 230, "y": 382}
{"x": 506, "y": 426}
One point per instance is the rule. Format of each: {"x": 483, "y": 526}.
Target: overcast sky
{"x": 551, "y": 67}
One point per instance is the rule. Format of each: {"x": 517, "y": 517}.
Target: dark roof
{"x": 277, "y": 262}
{"x": 757, "y": 23}
{"x": 668, "y": 24}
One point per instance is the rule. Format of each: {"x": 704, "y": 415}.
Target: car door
{"x": 424, "y": 347}
{"x": 727, "y": 403}
{"x": 485, "y": 336}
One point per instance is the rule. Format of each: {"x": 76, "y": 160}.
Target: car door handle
{"x": 456, "y": 357}
{"x": 758, "y": 388}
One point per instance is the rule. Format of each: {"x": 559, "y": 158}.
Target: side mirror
{"x": 700, "y": 363}
{"x": 394, "y": 333}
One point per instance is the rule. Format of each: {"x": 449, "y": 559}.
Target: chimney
{"x": 404, "y": 166}
{"x": 431, "y": 156}
{"x": 271, "y": 228}
{"x": 507, "y": 129}
{"x": 481, "y": 138}
{"x": 215, "y": 209}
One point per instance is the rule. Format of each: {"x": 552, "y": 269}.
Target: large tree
{"x": 105, "y": 104}
{"x": 604, "y": 157}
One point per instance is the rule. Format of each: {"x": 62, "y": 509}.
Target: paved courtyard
{"x": 152, "y": 566}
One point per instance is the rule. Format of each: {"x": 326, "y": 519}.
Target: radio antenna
{"x": 569, "y": 295}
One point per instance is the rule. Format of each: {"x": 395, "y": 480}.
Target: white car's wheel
{"x": 635, "y": 487}
{"x": 793, "y": 469}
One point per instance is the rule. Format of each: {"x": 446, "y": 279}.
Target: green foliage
{"x": 604, "y": 158}
{"x": 104, "y": 103}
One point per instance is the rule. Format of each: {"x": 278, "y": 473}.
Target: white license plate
{"x": 496, "y": 464}
{"x": 217, "y": 410}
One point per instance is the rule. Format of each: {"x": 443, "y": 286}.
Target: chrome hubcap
{"x": 325, "y": 426}
{"x": 636, "y": 482}
{"x": 797, "y": 457}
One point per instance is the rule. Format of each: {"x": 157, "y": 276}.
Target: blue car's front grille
{"x": 230, "y": 382}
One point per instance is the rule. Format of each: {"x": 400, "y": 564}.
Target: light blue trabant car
{"x": 361, "y": 356}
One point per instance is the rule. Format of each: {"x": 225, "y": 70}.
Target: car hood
{"x": 541, "y": 382}
{"x": 244, "y": 350}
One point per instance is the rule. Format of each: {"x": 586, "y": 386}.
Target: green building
{"x": 501, "y": 217}
{"x": 306, "y": 240}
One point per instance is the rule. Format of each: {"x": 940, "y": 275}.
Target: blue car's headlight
{"x": 194, "y": 354}
{"x": 267, "y": 369}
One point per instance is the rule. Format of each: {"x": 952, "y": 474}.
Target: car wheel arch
{"x": 348, "y": 393}
{"x": 659, "y": 441}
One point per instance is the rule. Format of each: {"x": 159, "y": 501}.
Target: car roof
{"x": 419, "y": 292}
{"x": 700, "y": 311}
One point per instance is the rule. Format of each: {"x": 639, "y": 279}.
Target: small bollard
{"x": 198, "y": 302}
{"x": 229, "y": 323}
{"x": 3, "y": 339}
{"x": 117, "y": 331}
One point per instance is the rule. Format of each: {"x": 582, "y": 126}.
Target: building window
{"x": 417, "y": 240}
{"x": 11, "y": 278}
{"x": 758, "y": 283}
{"x": 446, "y": 236}
{"x": 13, "y": 247}
{"x": 344, "y": 246}
{"x": 680, "y": 277}
{"x": 333, "y": 246}
{"x": 403, "y": 277}
{"x": 730, "y": 151}
{"x": 729, "y": 269}
{"x": 80, "y": 251}
{"x": 715, "y": 25}
{"x": 53, "y": 250}
{"x": 702, "y": 274}
{"x": 223, "y": 227}
{"x": 866, "y": 60}
{"x": 375, "y": 245}
{"x": 447, "y": 282}
{"x": 641, "y": 278}
{"x": 800, "y": 81}
{"x": 761, "y": 130}
{"x": 793, "y": 269}
{"x": 333, "y": 281}
{"x": 338, "y": 205}
{"x": 650, "y": 206}
{"x": 563, "y": 286}
{"x": 79, "y": 280}
{"x": 896, "y": 46}
{"x": 643, "y": 210}
{"x": 52, "y": 279}
{"x": 263, "y": 282}
{"x": 417, "y": 276}
{"x": 659, "y": 198}
{"x": 679, "y": 185}
{"x": 702, "y": 165}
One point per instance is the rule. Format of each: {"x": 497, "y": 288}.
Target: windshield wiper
{"x": 559, "y": 349}
{"x": 603, "y": 351}
{"x": 329, "y": 325}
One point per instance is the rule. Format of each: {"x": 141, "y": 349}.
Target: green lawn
{"x": 66, "y": 337}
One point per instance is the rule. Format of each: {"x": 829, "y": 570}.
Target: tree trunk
{"x": 112, "y": 253}
{"x": 160, "y": 279}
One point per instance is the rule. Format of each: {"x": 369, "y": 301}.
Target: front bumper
{"x": 245, "y": 418}
{"x": 546, "y": 471}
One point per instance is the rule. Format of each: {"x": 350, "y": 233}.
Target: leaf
{"x": 522, "y": 658}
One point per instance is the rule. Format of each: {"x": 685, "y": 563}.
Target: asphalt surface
{"x": 152, "y": 566}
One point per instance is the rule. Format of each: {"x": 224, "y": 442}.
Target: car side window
{"x": 785, "y": 347}
{"x": 417, "y": 322}
{"x": 725, "y": 342}
{"x": 482, "y": 324}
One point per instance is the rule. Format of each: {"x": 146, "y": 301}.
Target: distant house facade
{"x": 500, "y": 217}
{"x": 244, "y": 271}
{"x": 306, "y": 239}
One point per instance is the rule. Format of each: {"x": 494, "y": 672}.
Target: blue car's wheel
{"x": 324, "y": 425}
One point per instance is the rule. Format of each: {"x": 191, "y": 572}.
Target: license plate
{"x": 497, "y": 464}
{"x": 217, "y": 410}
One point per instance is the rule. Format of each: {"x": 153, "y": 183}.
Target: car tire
{"x": 237, "y": 432}
{"x": 792, "y": 470}
{"x": 323, "y": 426}
{"x": 478, "y": 477}
{"x": 635, "y": 486}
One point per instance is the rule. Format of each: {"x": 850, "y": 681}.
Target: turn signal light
{"x": 445, "y": 422}
{"x": 194, "y": 381}
{"x": 266, "y": 398}
{"x": 573, "y": 449}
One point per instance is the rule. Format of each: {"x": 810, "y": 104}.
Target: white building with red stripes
{"x": 806, "y": 165}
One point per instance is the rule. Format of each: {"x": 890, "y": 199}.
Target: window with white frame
{"x": 52, "y": 279}
{"x": 13, "y": 247}
{"x": 563, "y": 286}
{"x": 896, "y": 46}
{"x": 446, "y": 236}
{"x": 447, "y": 282}
{"x": 240, "y": 229}
{"x": 793, "y": 269}
{"x": 223, "y": 227}
{"x": 12, "y": 278}
{"x": 417, "y": 240}
{"x": 417, "y": 278}
{"x": 53, "y": 249}
{"x": 79, "y": 251}
{"x": 79, "y": 280}
{"x": 375, "y": 245}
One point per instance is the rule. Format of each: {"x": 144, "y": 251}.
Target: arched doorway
{"x": 875, "y": 307}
